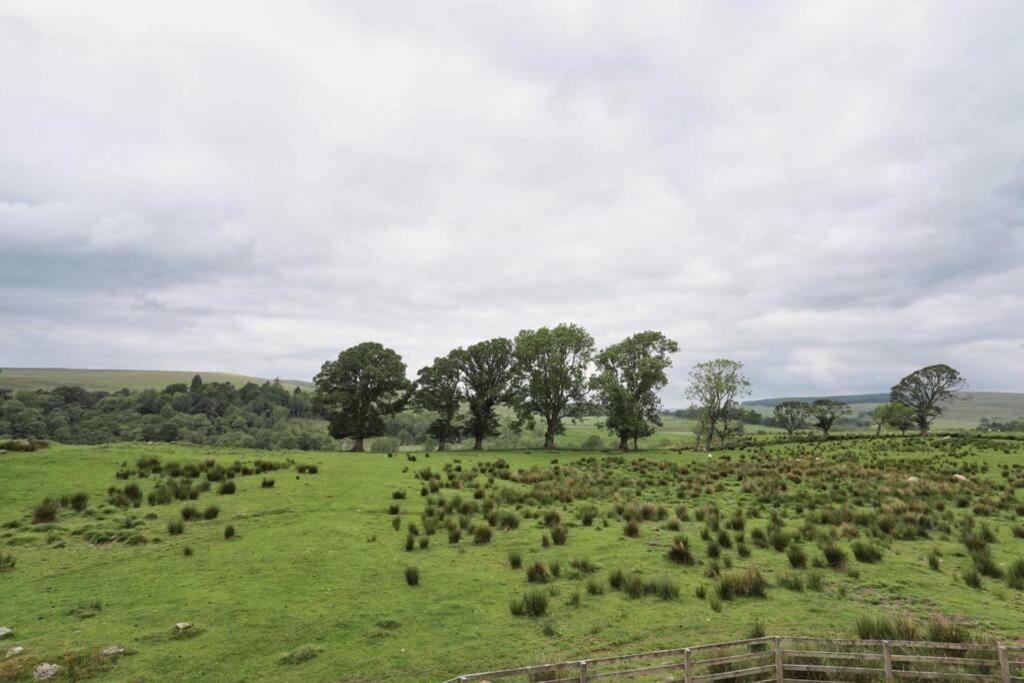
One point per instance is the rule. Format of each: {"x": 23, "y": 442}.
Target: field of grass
{"x": 313, "y": 585}
{"x": 962, "y": 413}
{"x": 114, "y": 380}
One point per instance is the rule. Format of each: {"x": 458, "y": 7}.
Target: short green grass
{"x": 16, "y": 379}
{"x": 313, "y": 586}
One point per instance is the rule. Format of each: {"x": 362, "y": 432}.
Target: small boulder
{"x": 959, "y": 477}
{"x": 912, "y": 480}
{"x": 113, "y": 651}
{"x": 14, "y": 651}
{"x": 45, "y": 671}
{"x": 183, "y": 626}
{"x": 6, "y": 632}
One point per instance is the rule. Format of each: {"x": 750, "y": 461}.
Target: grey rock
{"x": 6, "y": 632}
{"x": 113, "y": 651}
{"x": 14, "y": 651}
{"x": 44, "y": 671}
{"x": 183, "y": 626}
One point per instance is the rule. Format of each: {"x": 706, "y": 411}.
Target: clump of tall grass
{"x": 797, "y": 556}
{"x": 680, "y": 552}
{"x": 741, "y": 584}
{"x": 175, "y": 527}
{"x": 412, "y": 576}
{"x": 46, "y": 511}
{"x": 538, "y": 573}
{"x": 835, "y": 556}
{"x": 7, "y": 562}
{"x": 865, "y": 552}
{"x": 515, "y": 560}
{"x": 887, "y": 627}
{"x": 533, "y": 603}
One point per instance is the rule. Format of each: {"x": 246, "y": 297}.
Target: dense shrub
{"x": 835, "y": 556}
{"x": 412, "y": 576}
{"x": 229, "y": 532}
{"x": 267, "y": 483}
{"x": 559, "y": 534}
{"x": 79, "y": 501}
{"x": 537, "y": 573}
{"x": 175, "y": 527}
{"x": 46, "y": 511}
{"x": 226, "y": 488}
{"x": 211, "y": 512}
{"x": 533, "y": 603}
{"x": 865, "y": 552}
{"x": 797, "y": 557}
{"x": 482, "y": 534}
{"x": 515, "y": 560}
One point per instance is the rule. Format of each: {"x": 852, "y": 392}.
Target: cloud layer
{"x": 834, "y": 195}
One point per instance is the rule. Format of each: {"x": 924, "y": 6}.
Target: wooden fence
{"x": 776, "y": 659}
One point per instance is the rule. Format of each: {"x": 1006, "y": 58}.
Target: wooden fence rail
{"x": 779, "y": 659}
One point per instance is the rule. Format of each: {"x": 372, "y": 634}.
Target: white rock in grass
{"x": 959, "y": 477}
{"x": 6, "y": 632}
{"x": 912, "y": 480}
{"x": 113, "y": 651}
{"x": 44, "y": 671}
{"x": 183, "y": 626}
{"x": 14, "y": 652}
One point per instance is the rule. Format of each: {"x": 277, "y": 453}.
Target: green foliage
{"x": 488, "y": 374}
{"x": 366, "y": 383}
{"x": 791, "y": 415}
{"x": 716, "y": 386}
{"x": 825, "y": 412}
{"x": 439, "y": 391}
{"x": 924, "y": 390}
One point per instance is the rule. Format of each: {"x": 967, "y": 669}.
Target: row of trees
{"x": 544, "y": 376}
{"x": 914, "y": 402}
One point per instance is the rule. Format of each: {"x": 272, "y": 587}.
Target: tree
{"x": 895, "y": 415}
{"x": 355, "y": 392}
{"x": 488, "y": 378}
{"x": 439, "y": 390}
{"x": 629, "y": 376}
{"x": 923, "y": 390}
{"x": 553, "y": 364}
{"x": 826, "y": 411}
{"x": 791, "y": 415}
{"x": 715, "y": 385}
{"x": 196, "y": 386}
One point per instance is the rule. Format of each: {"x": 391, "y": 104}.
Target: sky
{"x": 831, "y": 193}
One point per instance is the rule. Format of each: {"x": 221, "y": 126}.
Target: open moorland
{"x": 413, "y": 567}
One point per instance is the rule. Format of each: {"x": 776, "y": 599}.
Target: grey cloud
{"x": 830, "y": 193}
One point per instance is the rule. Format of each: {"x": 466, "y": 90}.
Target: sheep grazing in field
{"x": 959, "y": 478}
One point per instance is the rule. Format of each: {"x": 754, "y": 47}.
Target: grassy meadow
{"x": 313, "y": 584}
{"x": 16, "y": 379}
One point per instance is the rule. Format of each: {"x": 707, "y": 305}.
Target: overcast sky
{"x": 834, "y": 196}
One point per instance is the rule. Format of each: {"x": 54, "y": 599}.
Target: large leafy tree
{"x": 554, "y": 364}
{"x": 488, "y": 380}
{"x": 629, "y": 376}
{"x": 439, "y": 390}
{"x": 825, "y": 412}
{"x": 791, "y": 415}
{"x": 715, "y": 387}
{"x": 358, "y": 390}
{"x": 895, "y": 415}
{"x": 925, "y": 389}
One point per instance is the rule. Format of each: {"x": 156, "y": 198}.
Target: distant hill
{"x": 114, "y": 380}
{"x": 963, "y": 413}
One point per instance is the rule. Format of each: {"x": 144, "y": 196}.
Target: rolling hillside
{"x": 113, "y": 380}
{"x": 963, "y": 413}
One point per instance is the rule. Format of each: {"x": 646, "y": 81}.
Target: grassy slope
{"x": 317, "y": 563}
{"x": 963, "y": 413}
{"x": 113, "y": 380}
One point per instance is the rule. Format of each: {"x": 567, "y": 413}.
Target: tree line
{"x": 550, "y": 375}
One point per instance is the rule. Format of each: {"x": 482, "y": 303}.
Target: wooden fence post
{"x": 583, "y": 671}
{"x": 887, "y": 659}
{"x": 779, "y": 673}
{"x": 687, "y": 665}
{"x": 1004, "y": 663}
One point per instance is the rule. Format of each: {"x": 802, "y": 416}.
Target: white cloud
{"x": 830, "y": 193}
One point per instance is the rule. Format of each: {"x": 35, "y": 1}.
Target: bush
{"x": 835, "y": 556}
{"x": 398, "y": 495}
{"x": 633, "y": 585}
{"x": 189, "y": 513}
{"x": 454, "y": 534}
{"x": 680, "y": 553}
{"x": 892, "y": 627}
{"x": 559, "y": 534}
{"x": 797, "y": 556}
{"x": 515, "y": 560}
{"x": 175, "y": 527}
{"x": 616, "y": 579}
{"x": 942, "y": 630}
{"x": 226, "y": 488}
{"x": 211, "y": 512}
{"x": 815, "y": 581}
{"x": 229, "y": 532}
{"x": 1015, "y": 574}
{"x": 741, "y": 584}
{"x": 632, "y": 528}
{"x": 187, "y": 551}
{"x": 482, "y": 534}
{"x": 267, "y": 484}
{"x": 412, "y": 576}
{"x": 791, "y": 581}
{"x": 934, "y": 558}
{"x": 865, "y": 552}
{"x": 79, "y": 502}
{"x": 46, "y": 511}
{"x": 594, "y": 586}
{"x": 7, "y": 562}
{"x": 985, "y": 565}
{"x": 533, "y": 603}
{"x": 537, "y": 573}
{"x": 972, "y": 578}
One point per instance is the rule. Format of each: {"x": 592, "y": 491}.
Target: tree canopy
{"x": 355, "y": 392}
{"x": 629, "y": 376}
{"x": 439, "y": 390}
{"x": 488, "y": 379}
{"x": 791, "y": 415}
{"x": 553, "y": 364}
{"x": 925, "y": 389}
{"x": 825, "y": 412}
{"x": 715, "y": 386}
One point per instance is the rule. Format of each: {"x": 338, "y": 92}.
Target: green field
{"x": 963, "y": 413}
{"x": 317, "y": 570}
{"x": 113, "y": 380}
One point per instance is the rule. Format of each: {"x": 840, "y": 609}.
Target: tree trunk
{"x": 441, "y": 446}
{"x": 623, "y": 441}
{"x": 357, "y": 444}
{"x": 710, "y": 436}
{"x": 878, "y": 432}
{"x": 549, "y": 442}
{"x": 478, "y": 444}
{"x": 635, "y": 447}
